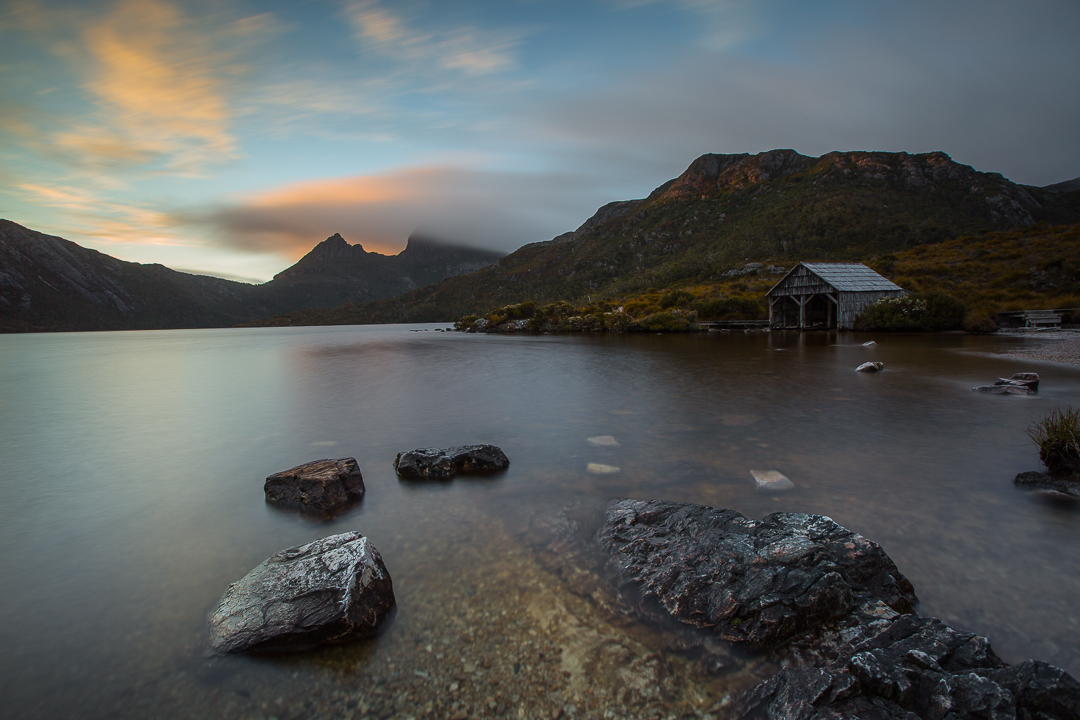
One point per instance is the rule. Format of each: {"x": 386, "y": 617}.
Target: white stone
{"x": 601, "y": 469}
{"x": 771, "y": 481}
{"x": 603, "y": 440}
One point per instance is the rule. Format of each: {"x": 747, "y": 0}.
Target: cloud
{"x": 156, "y": 79}
{"x": 502, "y": 210}
{"x": 465, "y": 50}
{"x": 931, "y": 81}
{"x": 157, "y": 83}
{"x": 88, "y": 214}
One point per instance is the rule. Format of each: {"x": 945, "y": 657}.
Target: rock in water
{"x": 1066, "y": 487}
{"x": 1002, "y": 389}
{"x": 917, "y": 667}
{"x": 424, "y": 463}
{"x": 870, "y": 367}
{"x": 1028, "y": 380}
{"x": 327, "y": 591}
{"x": 322, "y": 485}
{"x": 443, "y": 464}
{"x": 869, "y": 343}
{"x": 758, "y": 582}
{"x": 771, "y": 481}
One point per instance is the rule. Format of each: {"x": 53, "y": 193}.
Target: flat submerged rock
{"x": 327, "y": 591}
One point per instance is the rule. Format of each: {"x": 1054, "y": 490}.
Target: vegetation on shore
{"x": 957, "y": 284}
{"x": 986, "y": 274}
{"x": 916, "y": 312}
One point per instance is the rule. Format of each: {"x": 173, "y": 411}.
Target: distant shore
{"x": 1060, "y": 346}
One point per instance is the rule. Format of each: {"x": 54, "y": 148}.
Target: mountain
{"x": 48, "y": 283}
{"x": 727, "y": 210}
{"x": 1067, "y": 186}
{"x": 335, "y": 272}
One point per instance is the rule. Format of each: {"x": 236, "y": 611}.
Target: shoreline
{"x": 1058, "y": 346}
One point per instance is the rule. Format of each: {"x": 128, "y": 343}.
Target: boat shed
{"x": 826, "y": 295}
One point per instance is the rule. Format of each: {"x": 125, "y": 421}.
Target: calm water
{"x": 131, "y": 491}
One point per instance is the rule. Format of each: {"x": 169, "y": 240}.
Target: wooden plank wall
{"x": 853, "y": 303}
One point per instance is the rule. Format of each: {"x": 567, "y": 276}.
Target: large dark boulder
{"x": 443, "y": 464}
{"x": 916, "y": 667}
{"x": 327, "y": 591}
{"x": 322, "y": 486}
{"x": 749, "y": 581}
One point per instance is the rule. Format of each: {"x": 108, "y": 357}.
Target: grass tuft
{"x": 1058, "y": 438}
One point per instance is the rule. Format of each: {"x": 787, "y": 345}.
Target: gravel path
{"x": 1062, "y": 346}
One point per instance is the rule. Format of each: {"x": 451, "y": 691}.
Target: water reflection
{"x": 134, "y": 462}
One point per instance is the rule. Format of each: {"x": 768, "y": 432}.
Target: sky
{"x": 229, "y": 137}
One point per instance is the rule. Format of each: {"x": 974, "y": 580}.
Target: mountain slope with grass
{"x": 726, "y": 211}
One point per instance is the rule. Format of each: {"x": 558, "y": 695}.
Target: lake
{"x": 131, "y": 496}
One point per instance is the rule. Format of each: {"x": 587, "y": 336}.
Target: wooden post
{"x": 836, "y": 312}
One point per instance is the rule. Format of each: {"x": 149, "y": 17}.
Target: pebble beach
{"x": 1057, "y": 346}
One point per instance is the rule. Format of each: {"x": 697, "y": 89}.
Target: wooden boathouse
{"x": 826, "y": 295}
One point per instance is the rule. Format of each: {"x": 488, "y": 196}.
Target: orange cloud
{"x": 158, "y": 81}
{"x": 157, "y": 78}
{"x": 502, "y": 210}
{"x": 89, "y": 215}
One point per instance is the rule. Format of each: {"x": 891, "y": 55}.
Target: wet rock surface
{"x": 322, "y": 486}
{"x": 1027, "y": 380}
{"x": 917, "y": 666}
{"x": 749, "y": 581}
{"x": 443, "y": 464}
{"x": 327, "y": 591}
{"x": 1045, "y": 482}
{"x": 870, "y": 367}
{"x": 1002, "y": 390}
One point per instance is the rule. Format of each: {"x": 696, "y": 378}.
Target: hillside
{"x": 1030, "y": 269}
{"x": 48, "y": 283}
{"x": 727, "y": 210}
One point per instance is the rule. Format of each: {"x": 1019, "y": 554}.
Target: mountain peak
{"x": 424, "y": 250}
{"x": 335, "y": 246}
{"x": 332, "y": 253}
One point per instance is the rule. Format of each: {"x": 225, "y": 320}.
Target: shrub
{"x": 640, "y": 307}
{"x": 1058, "y": 438}
{"x": 917, "y": 312}
{"x": 675, "y": 298}
{"x": 661, "y": 322}
{"x": 979, "y": 322}
{"x": 467, "y": 322}
{"x": 741, "y": 308}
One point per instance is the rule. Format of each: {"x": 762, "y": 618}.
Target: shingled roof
{"x": 850, "y": 276}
